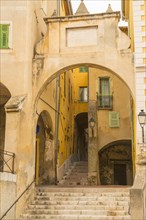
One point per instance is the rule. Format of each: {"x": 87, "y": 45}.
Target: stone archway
{"x": 4, "y": 97}
{"x": 95, "y": 144}
{"x": 115, "y": 162}
{"x": 45, "y": 173}
{"x": 81, "y": 134}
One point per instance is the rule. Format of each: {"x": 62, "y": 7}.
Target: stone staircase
{"x": 78, "y": 203}
{"x": 76, "y": 175}
{"x": 74, "y": 199}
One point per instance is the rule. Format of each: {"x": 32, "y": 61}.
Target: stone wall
{"x": 7, "y": 194}
{"x": 116, "y": 154}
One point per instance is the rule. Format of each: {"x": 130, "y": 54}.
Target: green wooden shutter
{"x": 4, "y": 36}
{"x": 83, "y": 69}
{"x": 114, "y": 119}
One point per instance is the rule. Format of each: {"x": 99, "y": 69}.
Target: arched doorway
{"x": 115, "y": 163}
{"x": 81, "y": 132}
{"x": 45, "y": 173}
{"x": 110, "y": 109}
{"x": 4, "y": 97}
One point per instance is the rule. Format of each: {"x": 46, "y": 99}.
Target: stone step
{"x": 79, "y": 194}
{"x": 79, "y": 198}
{"x": 78, "y": 207}
{"x": 93, "y": 189}
{"x": 78, "y": 212}
{"x": 74, "y": 202}
{"x": 75, "y": 177}
{"x": 81, "y": 170}
{"x": 83, "y": 202}
{"x": 72, "y": 183}
{"x": 77, "y": 174}
{"x": 76, "y": 217}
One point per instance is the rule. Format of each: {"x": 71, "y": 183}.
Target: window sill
{"x": 6, "y": 50}
{"x": 104, "y": 108}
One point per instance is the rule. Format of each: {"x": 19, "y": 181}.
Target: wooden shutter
{"x": 83, "y": 69}
{"x": 114, "y": 119}
{"x": 4, "y": 35}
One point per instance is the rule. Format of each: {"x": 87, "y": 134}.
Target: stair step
{"x": 77, "y": 207}
{"x": 77, "y": 212}
{"x": 70, "y": 201}
{"x": 75, "y": 202}
{"x": 75, "y": 217}
{"x": 90, "y": 194}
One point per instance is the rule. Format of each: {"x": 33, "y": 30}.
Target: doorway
{"x": 120, "y": 177}
{"x": 82, "y": 136}
{"x": 45, "y": 166}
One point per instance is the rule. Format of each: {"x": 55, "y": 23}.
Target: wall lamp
{"x": 142, "y": 122}
{"x": 92, "y": 125}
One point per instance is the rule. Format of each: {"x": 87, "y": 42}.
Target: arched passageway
{"x": 115, "y": 163}
{"x": 45, "y": 170}
{"x": 81, "y": 132}
{"x": 75, "y": 96}
{"x": 4, "y": 97}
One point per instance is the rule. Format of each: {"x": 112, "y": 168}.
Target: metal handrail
{"x": 17, "y": 200}
{"x": 5, "y": 158}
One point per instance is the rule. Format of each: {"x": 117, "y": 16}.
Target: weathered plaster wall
{"x": 62, "y": 55}
{"x": 7, "y": 194}
{"x": 2, "y": 127}
{"x": 26, "y": 27}
{"x": 121, "y": 103}
{"x": 118, "y": 154}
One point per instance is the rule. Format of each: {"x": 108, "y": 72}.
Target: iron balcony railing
{"x": 7, "y": 161}
{"x": 104, "y": 101}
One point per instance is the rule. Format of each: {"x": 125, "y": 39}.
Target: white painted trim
{"x": 9, "y": 177}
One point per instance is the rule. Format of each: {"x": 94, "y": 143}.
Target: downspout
{"x": 57, "y": 124}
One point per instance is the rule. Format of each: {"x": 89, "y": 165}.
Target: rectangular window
{"x": 104, "y": 86}
{"x": 4, "y": 36}
{"x": 104, "y": 97}
{"x": 83, "y": 69}
{"x": 83, "y": 94}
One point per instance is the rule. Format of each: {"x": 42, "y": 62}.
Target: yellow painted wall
{"x": 68, "y": 110}
{"x": 121, "y": 104}
{"x": 80, "y": 79}
{"x": 65, "y": 118}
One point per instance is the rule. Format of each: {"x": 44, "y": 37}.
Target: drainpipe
{"x": 58, "y": 1}
{"x": 57, "y": 124}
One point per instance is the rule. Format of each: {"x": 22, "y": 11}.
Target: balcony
{"x": 104, "y": 101}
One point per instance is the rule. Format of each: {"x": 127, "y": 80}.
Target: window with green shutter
{"x": 83, "y": 69}
{"x": 4, "y": 36}
{"x": 114, "y": 119}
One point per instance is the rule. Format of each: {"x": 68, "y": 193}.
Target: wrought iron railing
{"x": 7, "y": 161}
{"x": 104, "y": 101}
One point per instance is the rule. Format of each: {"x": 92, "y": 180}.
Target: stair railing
{"x": 7, "y": 161}
{"x": 14, "y": 203}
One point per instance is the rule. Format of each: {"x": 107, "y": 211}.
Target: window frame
{"x": 83, "y": 69}
{"x": 9, "y": 35}
{"x": 102, "y": 97}
{"x": 83, "y": 87}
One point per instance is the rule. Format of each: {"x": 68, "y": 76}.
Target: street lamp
{"x": 142, "y": 122}
{"x": 92, "y": 125}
